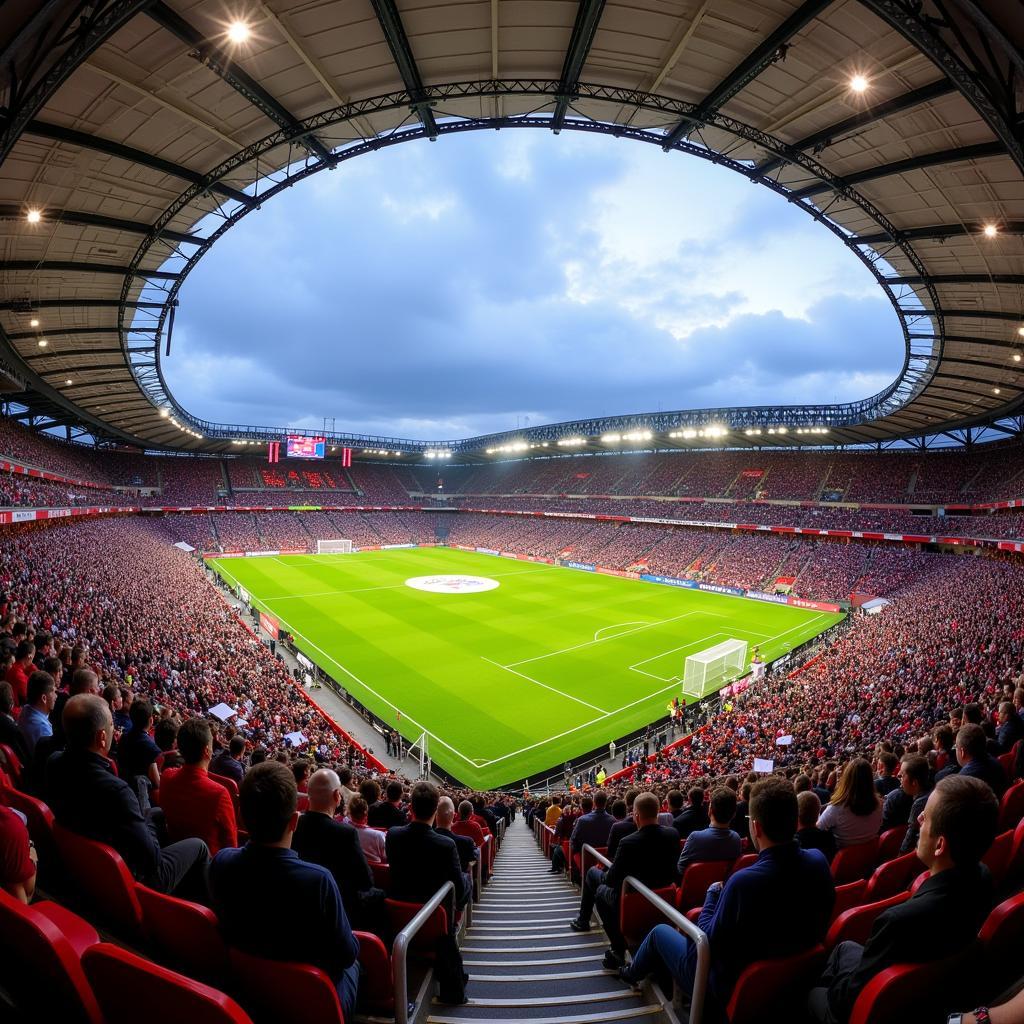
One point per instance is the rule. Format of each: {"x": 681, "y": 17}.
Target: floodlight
{"x": 43, "y": 343}
{"x": 1020, "y": 331}
{"x": 991, "y": 230}
{"x": 165, "y": 413}
{"x": 995, "y": 391}
{"x": 609, "y": 438}
{"x": 238, "y": 32}
{"x": 1016, "y": 357}
{"x": 859, "y": 83}
{"x": 34, "y": 216}
{"x": 33, "y": 322}
{"x": 68, "y": 382}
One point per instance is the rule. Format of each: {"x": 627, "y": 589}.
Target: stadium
{"x": 633, "y": 712}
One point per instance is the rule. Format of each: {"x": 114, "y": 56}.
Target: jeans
{"x": 181, "y": 870}
{"x": 663, "y": 950}
{"x": 348, "y": 989}
{"x": 595, "y": 877}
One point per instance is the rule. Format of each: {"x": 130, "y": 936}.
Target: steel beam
{"x": 74, "y": 267}
{"x": 87, "y": 140}
{"x": 14, "y": 211}
{"x": 88, "y": 368}
{"x": 818, "y": 141}
{"x": 914, "y": 163}
{"x": 32, "y": 305}
{"x": 941, "y": 279}
{"x": 588, "y": 15}
{"x": 979, "y": 314}
{"x": 938, "y": 231}
{"x": 772, "y": 49}
{"x": 398, "y": 43}
{"x": 222, "y": 65}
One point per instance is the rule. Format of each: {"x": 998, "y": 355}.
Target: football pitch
{"x": 546, "y": 665}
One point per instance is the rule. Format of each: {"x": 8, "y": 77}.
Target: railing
{"x": 687, "y": 927}
{"x": 400, "y": 949}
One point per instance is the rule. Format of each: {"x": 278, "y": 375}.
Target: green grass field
{"x": 546, "y": 666}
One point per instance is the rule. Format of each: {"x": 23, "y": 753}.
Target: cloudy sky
{"x": 490, "y": 280}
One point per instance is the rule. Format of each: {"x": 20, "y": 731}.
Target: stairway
{"x": 524, "y": 962}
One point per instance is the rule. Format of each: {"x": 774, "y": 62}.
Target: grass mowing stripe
{"x": 445, "y": 661}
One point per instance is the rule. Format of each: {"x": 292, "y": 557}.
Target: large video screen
{"x": 305, "y": 447}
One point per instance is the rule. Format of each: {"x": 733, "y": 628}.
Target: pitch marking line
{"x": 637, "y": 622}
{"x": 522, "y": 675}
{"x": 683, "y": 647}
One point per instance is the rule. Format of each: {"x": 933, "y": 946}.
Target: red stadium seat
{"x": 853, "y": 862}
{"x": 1011, "y": 807}
{"x": 889, "y": 843}
{"x": 185, "y": 935}
{"x": 40, "y": 828}
{"x": 129, "y": 988}
{"x": 401, "y": 913}
{"x": 1002, "y": 938}
{"x": 892, "y": 877}
{"x": 849, "y": 895}
{"x": 919, "y": 881}
{"x": 1009, "y": 763}
{"x": 40, "y": 966}
{"x": 743, "y": 861}
{"x": 377, "y": 985}
{"x": 102, "y": 879}
{"x": 13, "y": 764}
{"x": 696, "y": 879}
{"x": 279, "y": 992}
{"x": 381, "y": 875}
{"x": 1017, "y": 856}
{"x": 768, "y": 990}
{"x": 856, "y": 923}
{"x": 637, "y": 916}
{"x": 230, "y": 785}
{"x": 997, "y": 860}
{"x": 577, "y": 858}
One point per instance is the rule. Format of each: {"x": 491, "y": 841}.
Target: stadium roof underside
{"x": 141, "y": 135}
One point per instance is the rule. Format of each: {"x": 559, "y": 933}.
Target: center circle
{"x": 452, "y": 584}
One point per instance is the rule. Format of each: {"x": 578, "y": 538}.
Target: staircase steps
{"x": 523, "y": 960}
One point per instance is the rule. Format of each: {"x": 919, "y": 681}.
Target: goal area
{"x": 710, "y": 669}
{"x": 334, "y": 547}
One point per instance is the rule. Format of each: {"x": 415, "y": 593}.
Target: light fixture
{"x": 34, "y": 322}
{"x": 859, "y": 83}
{"x": 1020, "y": 331}
{"x": 165, "y": 413}
{"x": 238, "y": 32}
{"x": 995, "y": 391}
{"x": 68, "y": 382}
{"x": 34, "y": 216}
{"x": 1016, "y": 357}
{"x": 43, "y": 343}
{"x": 991, "y": 230}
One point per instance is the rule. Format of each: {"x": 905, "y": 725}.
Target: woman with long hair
{"x": 854, "y": 814}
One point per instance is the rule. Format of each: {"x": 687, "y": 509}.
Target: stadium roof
{"x": 140, "y": 132}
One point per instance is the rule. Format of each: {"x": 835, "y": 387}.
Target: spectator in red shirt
{"x": 466, "y": 826}
{"x": 18, "y": 673}
{"x": 17, "y": 856}
{"x": 194, "y": 805}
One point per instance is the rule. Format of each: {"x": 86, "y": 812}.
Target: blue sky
{"x": 483, "y": 281}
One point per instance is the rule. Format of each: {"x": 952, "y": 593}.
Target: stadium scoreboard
{"x": 301, "y": 447}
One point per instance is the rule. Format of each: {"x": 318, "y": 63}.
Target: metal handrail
{"x": 478, "y": 867}
{"x": 687, "y": 927}
{"x": 400, "y": 949}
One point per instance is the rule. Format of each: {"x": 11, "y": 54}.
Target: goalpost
{"x": 334, "y": 547}
{"x": 419, "y": 752}
{"x": 707, "y": 670}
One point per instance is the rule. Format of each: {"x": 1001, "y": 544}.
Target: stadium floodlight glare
{"x": 859, "y": 83}
{"x": 995, "y": 391}
{"x": 238, "y": 32}
{"x": 33, "y": 216}
{"x": 572, "y": 442}
{"x": 1016, "y": 357}
{"x": 610, "y": 438}
{"x": 164, "y": 413}
{"x": 43, "y": 343}
{"x": 991, "y": 230}
{"x": 33, "y": 322}
{"x": 68, "y": 382}
{"x": 783, "y": 430}
{"x": 1020, "y": 331}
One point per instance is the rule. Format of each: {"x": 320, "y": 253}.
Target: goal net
{"x": 710, "y": 669}
{"x": 334, "y": 547}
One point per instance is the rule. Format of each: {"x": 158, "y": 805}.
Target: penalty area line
{"x": 530, "y": 679}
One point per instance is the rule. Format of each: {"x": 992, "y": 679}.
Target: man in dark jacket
{"x": 942, "y": 917}
{"x": 88, "y": 798}
{"x": 649, "y": 855}
{"x": 694, "y": 816}
{"x": 320, "y": 839}
{"x": 464, "y": 844}
{"x": 388, "y": 813}
{"x": 422, "y": 860}
{"x": 975, "y": 760}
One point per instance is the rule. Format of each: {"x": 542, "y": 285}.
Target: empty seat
{"x": 892, "y": 877}
{"x": 377, "y": 985}
{"x": 423, "y": 943}
{"x": 185, "y": 935}
{"x": 1011, "y": 808}
{"x": 997, "y": 859}
{"x": 853, "y": 862}
{"x": 889, "y": 843}
{"x": 856, "y": 923}
{"x": 102, "y": 879}
{"x": 849, "y": 895}
{"x": 280, "y": 992}
{"x": 40, "y": 966}
{"x": 129, "y": 988}
{"x": 768, "y": 990}
{"x": 696, "y": 879}
{"x": 1002, "y": 938}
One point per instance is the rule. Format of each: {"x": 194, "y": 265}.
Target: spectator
{"x": 17, "y": 856}
{"x": 779, "y": 905}
{"x": 593, "y": 827}
{"x": 887, "y": 764}
{"x": 465, "y": 826}
{"x": 808, "y": 835}
{"x": 554, "y": 811}
{"x": 718, "y": 841}
{"x": 10, "y": 734}
{"x": 388, "y": 813}
{"x": 137, "y": 752}
{"x": 320, "y": 839}
{"x": 289, "y": 889}
{"x": 942, "y": 917}
{"x": 649, "y": 855}
{"x": 347, "y": 792}
{"x": 165, "y": 736}
{"x": 1010, "y": 1012}
{"x": 421, "y": 859}
{"x": 371, "y": 841}
{"x": 192, "y": 803}
{"x": 694, "y": 816}
{"x": 974, "y": 759}
{"x": 905, "y": 805}
{"x": 17, "y": 675}
{"x": 443, "y": 826}
{"x": 122, "y": 718}
{"x": 854, "y": 814}
{"x": 227, "y": 761}
{"x": 1010, "y": 729}
{"x": 34, "y": 720}
{"x": 88, "y": 798}
{"x": 83, "y": 680}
